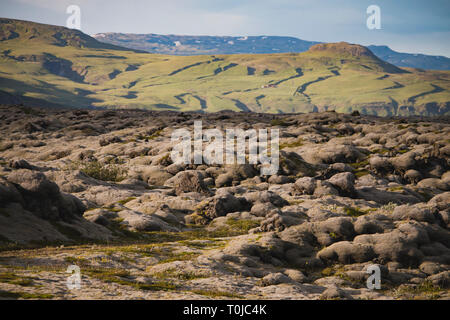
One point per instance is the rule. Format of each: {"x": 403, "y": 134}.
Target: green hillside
{"x": 50, "y": 65}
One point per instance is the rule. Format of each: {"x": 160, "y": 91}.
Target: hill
{"x": 31, "y": 33}
{"x": 54, "y": 66}
{"x": 196, "y": 45}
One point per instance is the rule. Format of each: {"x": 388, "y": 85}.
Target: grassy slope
{"x": 109, "y": 77}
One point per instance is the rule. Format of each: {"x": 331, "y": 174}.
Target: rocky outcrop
{"x": 351, "y": 192}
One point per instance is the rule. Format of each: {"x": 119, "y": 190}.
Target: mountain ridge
{"x": 50, "y": 34}
{"x": 194, "y": 45}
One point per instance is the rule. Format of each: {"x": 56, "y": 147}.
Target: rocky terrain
{"x": 98, "y": 189}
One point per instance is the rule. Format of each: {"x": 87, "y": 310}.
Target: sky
{"x": 413, "y": 26}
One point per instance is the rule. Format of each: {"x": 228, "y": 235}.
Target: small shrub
{"x": 102, "y": 172}
{"x": 388, "y": 207}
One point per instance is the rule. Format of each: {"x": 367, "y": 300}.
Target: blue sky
{"x": 406, "y": 25}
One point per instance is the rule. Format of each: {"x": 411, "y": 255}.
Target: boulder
{"x": 220, "y": 205}
{"x": 189, "y": 181}
{"x": 347, "y": 252}
{"x": 305, "y": 185}
{"x": 345, "y": 182}
{"x": 155, "y": 176}
{"x": 224, "y": 180}
{"x": 404, "y": 162}
{"x": 275, "y": 278}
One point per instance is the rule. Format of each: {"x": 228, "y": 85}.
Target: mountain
{"x": 194, "y": 45}
{"x": 54, "y": 66}
{"x": 31, "y": 33}
{"x": 411, "y": 60}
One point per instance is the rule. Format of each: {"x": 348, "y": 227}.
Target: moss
{"x": 122, "y": 277}
{"x": 9, "y": 277}
{"x": 182, "y": 256}
{"x": 102, "y": 172}
{"x": 24, "y": 295}
{"x": 242, "y": 225}
{"x": 333, "y": 235}
{"x": 120, "y": 230}
{"x": 173, "y": 273}
{"x": 380, "y": 151}
{"x": 297, "y": 143}
{"x": 360, "y": 164}
{"x": 353, "y": 212}
{"x": 163, "y": 252}
{"x": 196, "y": 234}
{"x": 327, "y": 272}
{"x": 124, "y": 201}
{"x": 152, "y": 136}
{"x": 203, "y": 244}
{"x": 425, "y": 290}
{"x": 337, "y": 271}
{"x": 76, "y": 260}
{"x": 361, "y": 173}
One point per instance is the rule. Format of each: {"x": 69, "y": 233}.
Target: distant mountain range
{"x": 195, "y": 45}
{"x": 411, "y": 60}
{"x": 200, "y": 45}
